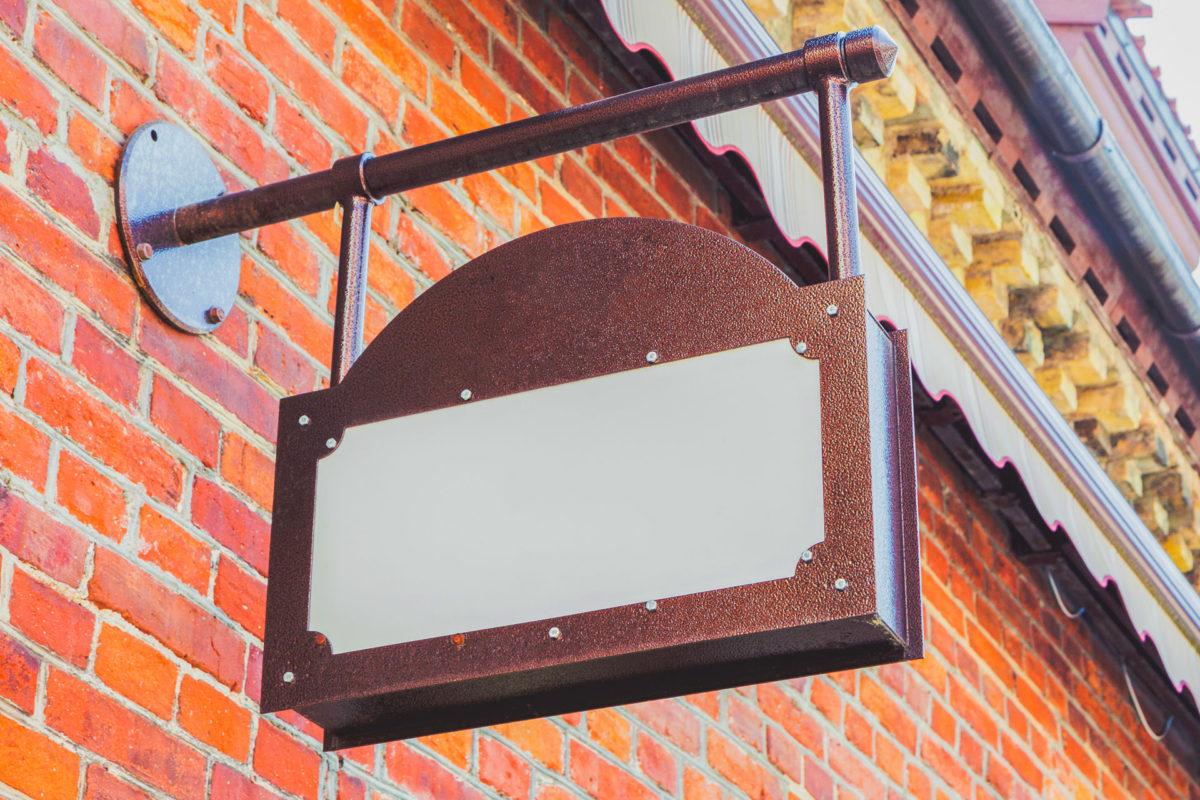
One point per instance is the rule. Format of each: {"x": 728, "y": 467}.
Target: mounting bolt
{"x": 465, "y": 394}
{"x": 832, "y": 311}
{"x": 304, "y": 420}
{"x": 289, "y": 677}
{"x": 144, "y": 251}
{"x": 806, "y": 555}
{"x": 555, "y": 634}
{"x": 331, "y": 443}
{"x": 840, "y": 584}
{"x": 652, "y": 356}
{"x": 652, "y": 605}
{"x": 214, "y": 314}
{"x": 801, "y": 347}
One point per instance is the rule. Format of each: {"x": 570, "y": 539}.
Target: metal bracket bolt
{"x": 331, "y": 443}
{"x": 289, "y": 677}
{"x": 652, "y": 356}
{"x": 840, "y": 584}
{"x": 555, "y": 634}
{"x": 465, "y": 394}
{"x": 801, "y": 348}
{"x": 832, "y": 311}
{"x": 652, "y": 605}
{"x": 806, "y": 556}
{"x": 304, "y": 420}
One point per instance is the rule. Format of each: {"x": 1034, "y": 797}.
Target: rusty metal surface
{"x": 561, "y": 305}
{"x": 163, "y": 167}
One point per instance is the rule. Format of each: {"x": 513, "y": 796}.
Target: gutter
{"x": 1016, "y": 37}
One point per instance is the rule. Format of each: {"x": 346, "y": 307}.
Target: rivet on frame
{"x": 806, "y": 555}
{"x": 652, "y": 356}
{"x": 304, "y": 420}
{"x": 801, "y": 347}
{"x": 555, "y": 634}
{"x": 832, "y": 311}
{"x": 652, "y": 605}
{"x": 289, "y": 677}
{"x": 465, "y": 394}
{"x": 331, "y": 443}
{"x": 840, "y": 584}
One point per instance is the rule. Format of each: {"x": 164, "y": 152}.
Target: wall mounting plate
{"x": 162, "y": 168}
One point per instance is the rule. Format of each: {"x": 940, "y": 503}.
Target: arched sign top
{"x": 571, "y": 302}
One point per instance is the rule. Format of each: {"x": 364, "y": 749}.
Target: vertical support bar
{"x": 837, "y": 172}
{"x": 351, "y": 286}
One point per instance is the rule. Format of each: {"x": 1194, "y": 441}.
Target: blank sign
{"x": 665, "y": 480}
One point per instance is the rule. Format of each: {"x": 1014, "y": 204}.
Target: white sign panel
{"x": 666, "y": 480}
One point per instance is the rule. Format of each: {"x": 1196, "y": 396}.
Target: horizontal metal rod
{"x": 863, "y": 55}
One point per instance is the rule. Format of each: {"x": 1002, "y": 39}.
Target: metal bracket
{"x": 164, "y": 167}
{"x": 1156, "y": 736}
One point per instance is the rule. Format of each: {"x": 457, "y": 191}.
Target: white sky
{"x": 1171, "y": 43}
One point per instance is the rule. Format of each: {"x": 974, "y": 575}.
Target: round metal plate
{"x": 193, "y": 286}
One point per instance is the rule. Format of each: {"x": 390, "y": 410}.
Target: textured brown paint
{"x": 562, "y": 305}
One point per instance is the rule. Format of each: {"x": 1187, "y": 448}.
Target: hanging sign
{"x": 607, "y": 462}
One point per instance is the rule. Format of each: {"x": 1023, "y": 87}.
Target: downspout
{"x": 1019, "y": 41}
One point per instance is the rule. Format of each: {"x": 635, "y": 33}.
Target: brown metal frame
{"x": 563, "y": 305}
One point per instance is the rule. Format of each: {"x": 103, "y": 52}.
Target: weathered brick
{"x": 187, "y": 630}
{"x": 611, "y": 731}
{"x": 423, "y": 777}
{"x": 26, "y": 450}
{"x": 285, "y": 761}
{"x": 739, "y": 768}
{"x": 539, "y": 738}
{"x": 455, "y": 746}
{"x": 603, "y": 779}
{"x": 25, "y": 94}
{"x": 101, "y": 785}
{"x": 77, "y": 64}
{"x": 214, "y": 719}
{"x": 241, "y": 595}
{"x": 167, "y": 545}
{"x": 657, "y": 762}
{"x": 18, "y": 674}
{"x": 29, "y": 308}
{"x": 34, "y": 537}
{"x": 102, "y": 432}
{"x": 102, "y": 361}
{"x": 242, "y": 82}
{"x": 184, "y": 420}
{"x": 229, "y": 785}
{"x": 304, "y": 325}
{"x": 115, "y": 733}
{"x": 317, "y": 32}
{"x": 231, "y": 523}
{"x": 137, "y": 670}
{"x": 285, "y": 365}
{"x": 112, "y": 28}
{"x": 90, "y": 497}
{"x": 300, "y": 137}
{"x": 503, "y": 770}
{"x": 33, "y": 764}
{"x": 10, "y": 365}
{"x": 174, "y": 18}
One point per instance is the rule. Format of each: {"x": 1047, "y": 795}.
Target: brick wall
{"x": 135, "y": 462}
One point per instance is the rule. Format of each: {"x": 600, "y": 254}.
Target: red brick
{"x": 13, "y": 13}
{"x": 18, "y": 674}
{"x": 91, "y": 498}
{"x": 231, "y": 523}
{"x": 50, "y": 619}
{"x": 657, "y": 762}
{"x": 177, "y": 22}
{"x": 26, "y": 95}
{"x": 191, "y": 359}
{"x": 708, "y": 702}
{"x": 77, "y": 64}
{"x": 522, "y": 81}
{"x": 113, "y": 28}
{"x": 190, "y": 632}
{"x": 35, "y": 765}
{"x": 26, "y": 450}
{"x": 29, "y": 308}
{"x": 429, "y": 37}
{"x": 242, "y": 596}
{"x": 480, "y": 85}
{"x": 114, "y": 733}
{"x": 219, "y": 125}
{"x": 241, "y": 81}
{"x": 855, "y": 770}
{"x": 447, "y": 215}
{"x": 185, "y": 421}
{"x": 423, "y": 777}
{"x": 251, "y": 471}
{"x": 314, "y": 88}
{"x": 539, "y": 738}
{"x": 286, "y": 366}
{"x": 93, "y": 426}
{"x": 300, "y": 137}
{"x": 304, "y": 326}
{"x": 214, "y": 719}
{"x": 32, "y": 536}
{"x": 136, "y": 670}
{"x": 382, "y": 41}
{"x": 602, "y": 779}
{"x": 800, "y": 725}
{"x": 611, "y": 731}
{"x": 419, "y": 128}
{"x": 737, "y": 766}
{"x": 1022, "y": 763}
{"x": 460, "y": 19}
{"x": 286, "y": 762}
{"x": 672, "y": 719}
{"x": 101, "y": 785}
{"x": 167, "y": 545}
{"x": 105, "y": 364}
{"x": 317, "y": 32}
{"x": 697, "y": 787}
{"x": 420, "y": 248}
{"x": 40, "y": 244}
{"x": 945, "y": 765}
{"x": 503, "y": 770}
{"x": 454, "y": 746}
{"x": 229, "y": 785}
{"x": 544, "y": 57}
{"x": 223, "y": 11}
{"x": 785, "y": 754}
{"x": 10, "y": 365}
{"x": 130, "y": 107}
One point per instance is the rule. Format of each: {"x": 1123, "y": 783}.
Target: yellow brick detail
{"x": 1011, "y": 256}
{"x": 1116, "y": 405}
{"x": 1048, "y": 305}
{"x": 989, "y": 293}
{"x": 970, "y": 205}
{"x": 952, "y": 243}
{"x": 1058, "y": 388}
{"x": 1079, "y": 353}
{"x": 1127, "y": 475}
{"x": 1177, "y": 548}
{"x": 908, "y": 185}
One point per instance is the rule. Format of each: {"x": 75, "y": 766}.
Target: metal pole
{"x": 837, "y": 173}
{"x": 863, "y": 55}
{"x": 351, "y": 286}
